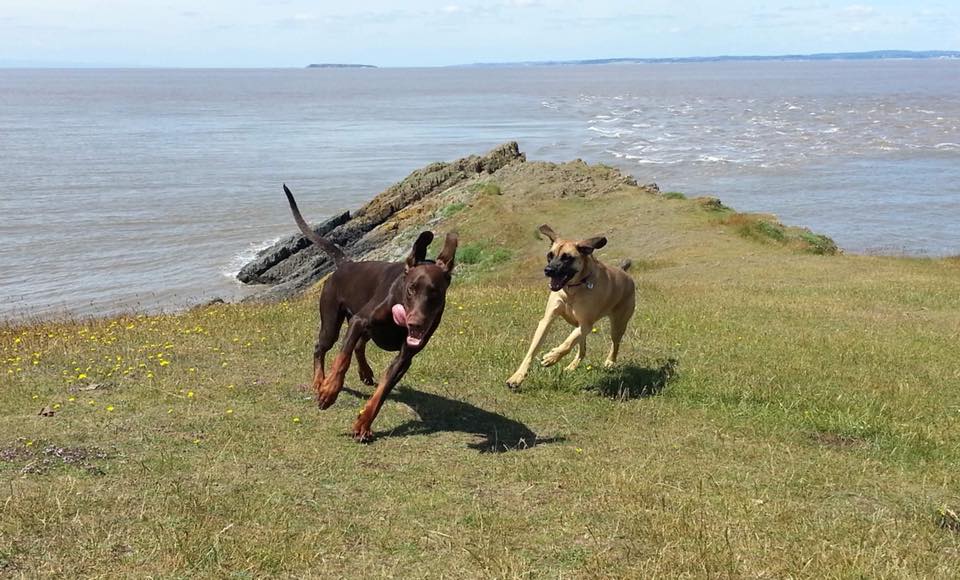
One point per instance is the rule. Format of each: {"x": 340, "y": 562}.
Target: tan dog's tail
{"x": 625, "y": 265}
{"x": 326, "y": 245}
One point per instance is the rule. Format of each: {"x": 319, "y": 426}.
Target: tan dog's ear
{"x": 447, "y": 255}
{"x": 586, "y": 247}
{"x": 548, "y": 231}
{"x": 419, "y": 251}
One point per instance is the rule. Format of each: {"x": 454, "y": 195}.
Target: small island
{"x": 339, "y": 65}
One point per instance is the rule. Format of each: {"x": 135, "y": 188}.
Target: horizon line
{"x": 881, "y": 54}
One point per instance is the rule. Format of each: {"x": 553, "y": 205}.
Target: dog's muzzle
{"x": 559, "y": 275}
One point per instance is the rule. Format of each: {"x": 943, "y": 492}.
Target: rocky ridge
{"x": 384, "y": 227}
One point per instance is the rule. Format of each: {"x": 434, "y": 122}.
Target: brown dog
{"x": 398, "y": 305}
{"x": 582, "y": 290}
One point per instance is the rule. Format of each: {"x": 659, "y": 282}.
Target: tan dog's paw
{"x": 573, "y": 364}
{"x": 514, "y": 381}
{"x": 551, "y": 358}
{"x": 609, "y": 364}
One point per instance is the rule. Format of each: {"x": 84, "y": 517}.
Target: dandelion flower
{"x": 169, "y": 411}
{"x": 82, "y": 376}
{"x": 296, "y": 419}
{"x": 229, "y": 411}
{"x": 189, "y": 394}
{"x": 196, "y": 442}
{"x": 109, "y": 408}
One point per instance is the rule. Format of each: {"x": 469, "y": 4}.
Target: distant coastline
{"x": 869, "y": 55}
{"x": 339, "y": 65}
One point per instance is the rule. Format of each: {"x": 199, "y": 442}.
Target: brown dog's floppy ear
{"x": 587, "y": 247}
{"x": 548, "y": 231}
{"x": 446, "y": 257}
{"x": 419, "y": 251}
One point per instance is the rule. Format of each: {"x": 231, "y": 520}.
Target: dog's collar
{"x": 586, "y": 281}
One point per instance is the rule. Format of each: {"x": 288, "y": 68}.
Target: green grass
{"x": 764, "y": 228}
{"x": 674, "y": 195}
{"x": 485, "y": 188}
{"x": 482, "y": 254}
{"x": 452, "y": 209}
{"x": 775, "y": 414}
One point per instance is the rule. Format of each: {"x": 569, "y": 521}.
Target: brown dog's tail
{"x": 625, "y": 265}
{"x": 326, "y": 245}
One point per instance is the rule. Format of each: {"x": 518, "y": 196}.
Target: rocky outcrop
{"x": 285, "y": 257}
{"x": 293, "y": 264}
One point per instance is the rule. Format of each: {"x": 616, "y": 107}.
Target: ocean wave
{"x": 717, "y": 159}
{"x": 616, "y": 133}
{"x": 240, "y": 259}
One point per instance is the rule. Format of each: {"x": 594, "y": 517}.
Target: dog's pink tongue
{"x": 399, "y": 315}
{"x": 400, "y": 318}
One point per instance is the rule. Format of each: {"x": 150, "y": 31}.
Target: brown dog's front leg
{"x": 333, "y": 382}
{"x": 363, "y": 367}
{"x": 361, "y": 427}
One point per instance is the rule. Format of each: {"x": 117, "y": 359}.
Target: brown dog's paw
{"x": 368, "y": 380}
{"x": 362, "y": 432}
{"x": 326, "y": 399}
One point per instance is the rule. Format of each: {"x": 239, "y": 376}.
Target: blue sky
{"x": 258, "y": 33}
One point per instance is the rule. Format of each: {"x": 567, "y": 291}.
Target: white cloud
{"x": 859, "y": 11}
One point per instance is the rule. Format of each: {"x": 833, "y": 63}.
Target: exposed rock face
{"x": 293, "y": 264}
{"x": 273, "y": 265}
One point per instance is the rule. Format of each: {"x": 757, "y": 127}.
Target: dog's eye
{"x": 550, "y": 256}
{"x": 411, "y": 290}
{"x": 566, "y": 258}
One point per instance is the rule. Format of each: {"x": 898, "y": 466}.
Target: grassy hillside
{"x": 777, "y": 413}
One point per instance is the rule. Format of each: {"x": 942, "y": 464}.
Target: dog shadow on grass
{"x": 632, "y": 381}
{"x": 437, "y": 413}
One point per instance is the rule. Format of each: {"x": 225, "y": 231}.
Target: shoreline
{"x": 244, "y": 292}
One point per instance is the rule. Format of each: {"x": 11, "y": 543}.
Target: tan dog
{"x": 583, "y": 290}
